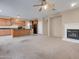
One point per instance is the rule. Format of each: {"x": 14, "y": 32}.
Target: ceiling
{"x": 25, "y": 9}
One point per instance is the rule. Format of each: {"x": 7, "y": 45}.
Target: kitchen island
{"x": 20, "y": 32}
{"x": 14, "y": 31}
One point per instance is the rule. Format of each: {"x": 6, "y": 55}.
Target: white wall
{"x": 45, "y": 27}
{"x": 40, "y": 27}
{"x": 70, "y": 26}
{"x": 71, "y": 16}
{"x": 70, "y": 19}
{"x": 56, "y": 26}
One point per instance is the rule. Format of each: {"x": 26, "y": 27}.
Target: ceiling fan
{"x": 44, "y": 5}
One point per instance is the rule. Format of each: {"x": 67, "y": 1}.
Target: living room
{"x": 39, "y": 29}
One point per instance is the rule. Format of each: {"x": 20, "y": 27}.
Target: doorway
{"x": 35, "y": 26}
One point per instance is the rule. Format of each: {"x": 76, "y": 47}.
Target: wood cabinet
{"x": 5, "y": 22}
{"x": 20, "y": 23}
{"x": 5, "y": 32}
{"x": 20, "y": 32}
{"x": 13, "y": 32}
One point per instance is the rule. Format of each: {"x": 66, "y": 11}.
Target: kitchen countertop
{"x": 13, "y": 27}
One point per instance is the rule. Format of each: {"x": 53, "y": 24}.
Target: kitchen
{"x": 14, "y": 27}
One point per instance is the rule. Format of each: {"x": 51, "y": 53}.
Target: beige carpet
{"x": 39, "y": 47}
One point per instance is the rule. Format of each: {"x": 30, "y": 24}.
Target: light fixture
{"x": 45, "y": 6}
{"x": 73, "y": 4}
{"x": 18, "y": 16}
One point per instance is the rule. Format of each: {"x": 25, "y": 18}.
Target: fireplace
{"x": 73, "y": 33}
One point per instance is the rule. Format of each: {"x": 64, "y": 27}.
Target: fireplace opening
{"x": 73, "y": 33}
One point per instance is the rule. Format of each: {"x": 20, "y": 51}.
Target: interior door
{"x": 56, "y": 26}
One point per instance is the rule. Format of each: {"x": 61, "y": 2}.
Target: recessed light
{"x": 73, "y": 4}
{"x": 45, "y": 6}
{"x": 18, "y": 16}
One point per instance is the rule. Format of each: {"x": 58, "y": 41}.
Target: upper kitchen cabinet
{"x": 19, "y": 22}
{"x": 5, "y": 22}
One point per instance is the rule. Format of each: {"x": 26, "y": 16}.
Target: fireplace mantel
{"x": 70, "y": 26}
{"x": 73, "y": 34}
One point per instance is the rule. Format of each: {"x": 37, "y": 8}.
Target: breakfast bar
{"x": 14, "y": 31}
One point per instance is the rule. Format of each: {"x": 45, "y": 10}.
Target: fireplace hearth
{"x": 73, "y": 33}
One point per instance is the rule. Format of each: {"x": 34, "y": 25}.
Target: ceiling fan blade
{"x": 37, "y": 5}
{"x": 40, "y": 9}
{"x": 53, "y": 9}
{"x": 43, "y": 2}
